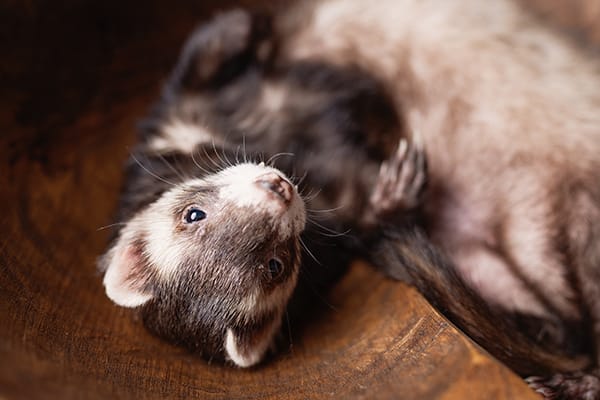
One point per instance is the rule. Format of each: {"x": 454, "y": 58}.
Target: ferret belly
{"x": 495, "y": 209}
{"x": 485, "y": 86}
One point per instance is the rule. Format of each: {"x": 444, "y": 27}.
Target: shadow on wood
{"x": 79, "y": 76}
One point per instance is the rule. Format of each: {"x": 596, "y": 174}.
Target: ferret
{"x": 498, "y": 229}
{"x": 212, "y": 223}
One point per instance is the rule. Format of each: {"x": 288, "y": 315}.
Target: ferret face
{"x": 213, "y": 261}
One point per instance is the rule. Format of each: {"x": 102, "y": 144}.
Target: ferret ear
{"x": 247, "y": 346}
{"x": 126, "y": 274}
{"x": 221, "y": 49}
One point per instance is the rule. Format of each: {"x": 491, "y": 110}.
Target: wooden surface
{"x": 76, "y": 77}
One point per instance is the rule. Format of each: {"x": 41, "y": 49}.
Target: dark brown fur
{"x": 340, "y": 124}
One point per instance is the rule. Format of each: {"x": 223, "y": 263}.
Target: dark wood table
{"x": 76, "y": 77}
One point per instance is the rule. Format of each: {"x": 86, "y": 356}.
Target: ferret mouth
{"x": 277, "y": 186}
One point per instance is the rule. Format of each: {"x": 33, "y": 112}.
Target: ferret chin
{"x": 352, "y": 99}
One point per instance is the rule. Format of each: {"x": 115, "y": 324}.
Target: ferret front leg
{"x": 400, "y": 184}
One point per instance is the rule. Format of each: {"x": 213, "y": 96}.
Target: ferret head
{"x": 212, "y": 262}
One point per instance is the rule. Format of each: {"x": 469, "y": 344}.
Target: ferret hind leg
{"x": 584, "y": 239}
{"x": 401, "y": 250}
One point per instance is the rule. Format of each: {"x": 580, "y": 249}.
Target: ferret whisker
{"x": 328, "y": 231}
{"x": 310, "y": 196}
{"x": 211, "y": 159}
{"x": 322, "y": 214}
{"x": 184, "y": 171}
{"x": 150, "y": 172}
{"x": 297, "y": 181}
{"x": 207, "y": 167}
{"x": 244, "y": 147}
{"x": 289, "y": 330}
{"x": 328, "y": 210}
{"x": 301, "y": 180}
{"x": 171, "y": 167}
{"x": 306, "y": 277}
{"x": 304, "y": 192}
{"x": 274, "y": 157}
{"x": 305, "y": 247}
{"x": 294, "y": 174}
{"x": 111, "y": 225}
{"x": 321, "y": 217}
{"x": 237, "y": 154}
{"x": 217, "y": 153}
{"x": 200, "y": 167}
{"x": 228, "y": 162}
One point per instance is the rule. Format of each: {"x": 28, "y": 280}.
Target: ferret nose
{"x": 275, "y": 183}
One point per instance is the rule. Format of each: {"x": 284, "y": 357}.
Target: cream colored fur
{"x": 510, "y": 116}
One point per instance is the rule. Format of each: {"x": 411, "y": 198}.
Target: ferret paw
{"x": 401, "y": 180}
{"x": 576, "y": 385}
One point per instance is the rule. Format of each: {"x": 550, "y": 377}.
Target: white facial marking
{"x": 164, "y": 249}
{"x": 180, "y": 136}
{"x": 273, "y": 97}
{"x": 238, "y": 186}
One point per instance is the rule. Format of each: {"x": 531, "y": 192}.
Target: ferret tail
{"x": 407, "y": 254}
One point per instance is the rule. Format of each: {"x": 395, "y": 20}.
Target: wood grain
{"x": 78, "y": 76}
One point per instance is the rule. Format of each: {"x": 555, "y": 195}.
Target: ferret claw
{"x": 572, "y": 386}
{"x": 401, "y": 180}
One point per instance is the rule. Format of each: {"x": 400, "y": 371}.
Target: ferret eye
{"x": 194, "y": 215}
{"x": 275, "y": 267}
